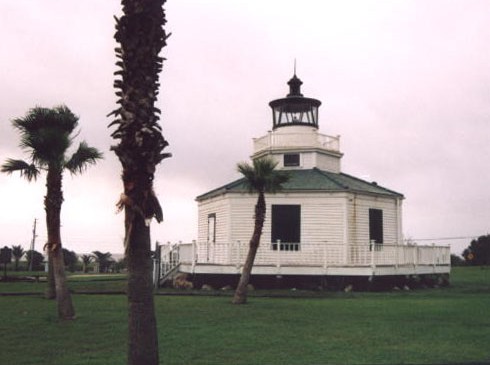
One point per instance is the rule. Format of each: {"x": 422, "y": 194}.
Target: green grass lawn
{"x": 430, "y": 326}
{"x": 78, "y": 283}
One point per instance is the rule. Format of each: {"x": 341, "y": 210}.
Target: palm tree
{"x": 103, "y": 259}
{"x": 86, "y": 260}
{"x": 259, "y": 178}
{"x": 141, "y": 36}
{"x": 46, "y": 135}
{"x": 17, "y": 252}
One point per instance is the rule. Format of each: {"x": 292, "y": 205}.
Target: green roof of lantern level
{"x": 311, "y": 180}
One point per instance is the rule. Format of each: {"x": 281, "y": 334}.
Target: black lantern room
{"x": 295, "y": 109}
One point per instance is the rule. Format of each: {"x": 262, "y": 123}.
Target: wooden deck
{"x": 314, "y": 260}
{"x": 387, "y": 270}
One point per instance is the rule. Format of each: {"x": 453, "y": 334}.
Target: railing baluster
{"x": 238, "y": 254}
{"x": 194, "y": 256}
{"x": 278, "y": 253}
{"x": 325, "y": 254}
{"x": 373, "y": 249}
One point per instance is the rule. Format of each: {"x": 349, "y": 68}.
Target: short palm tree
{"x": 86, "y": 260}
{"x": 46, "y": 135}
{"x": 17, "y": 253}
{"x": 103, "y": 259}
{"x": 260, "y": 178}
{"x": 141, "y": 36}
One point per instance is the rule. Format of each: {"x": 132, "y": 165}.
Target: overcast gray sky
{"x": 406, "y": 84}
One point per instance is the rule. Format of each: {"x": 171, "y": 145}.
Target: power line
{"x": 443, "y": 238}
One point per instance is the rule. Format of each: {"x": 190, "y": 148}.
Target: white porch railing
{"x": 304, "y": 254}
{"x": 271, "y": 140}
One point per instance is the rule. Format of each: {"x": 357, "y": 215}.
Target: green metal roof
{"x": 313, "y": 180}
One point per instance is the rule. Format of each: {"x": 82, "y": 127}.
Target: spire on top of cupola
{"x": 295, "y": 109}
{"x": 295, "y": 86}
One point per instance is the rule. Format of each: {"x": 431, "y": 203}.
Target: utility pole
{"x": 33, "y": 241}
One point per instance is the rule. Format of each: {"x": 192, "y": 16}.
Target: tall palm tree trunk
{"x": 52, "y": 205}
{"x": 142, "y": 325}
{"x": 240, "y": 296}
{"x": 141, "y": 36}
{"x": 142, "y": 344}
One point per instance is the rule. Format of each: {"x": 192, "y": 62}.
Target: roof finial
{"x": 295, "y": 84}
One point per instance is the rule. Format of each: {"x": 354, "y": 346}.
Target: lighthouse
{"x": 324, "y": 223}
{"x": 294, "y": 140}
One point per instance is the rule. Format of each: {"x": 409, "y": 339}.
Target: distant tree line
{"x": 97, "y": 261}
{"x": 33, "y": 259}
{"x": 478, "y": 252}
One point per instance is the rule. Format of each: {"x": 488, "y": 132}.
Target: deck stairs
{"x": 169, "y": 264}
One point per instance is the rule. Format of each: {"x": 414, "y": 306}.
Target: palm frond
{"x": 277, "y": 181}
{"x": 262, "y": 176}
{"x": 46, "y": 133}
{"x": 39, "y": 118}
{"x": 248, "y": 173}
{"x": 86, "y": 259}
{"x": 82, "y": 158}
{"x": 17, "y": 251}
{"x": 29, "y": 171}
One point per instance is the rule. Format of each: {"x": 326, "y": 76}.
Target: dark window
{"x": 286, "y": 227}
{"x": 291, "y": 159}
{"x": 376, "y": 226}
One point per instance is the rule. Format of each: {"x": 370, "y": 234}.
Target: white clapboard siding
{"x": 327, "y": 162}
{"x": 334, "y": 229}
{"x": 358, "y": 221}
{"x": 307, "y": 160}
{"x": 242, "y": 220}
{"x": 322, "y": 219}
{"x": 209, "y": 251}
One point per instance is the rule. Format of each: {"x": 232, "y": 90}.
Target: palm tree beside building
{"x": 260, "y": 178}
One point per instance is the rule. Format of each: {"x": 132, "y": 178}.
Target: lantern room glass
{"x": 295, "y": 114}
